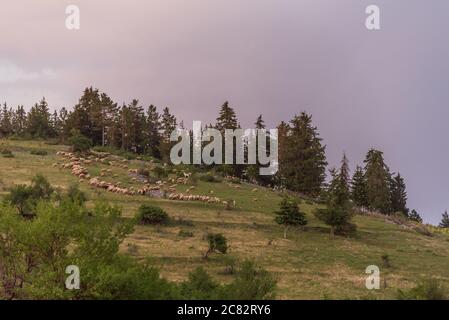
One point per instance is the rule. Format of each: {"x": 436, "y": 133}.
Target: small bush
{"x": 208, "y": 177}
{"x": 79, "y": 142}
{"x": 430, "y": 289}
{"x": 6, "y": 153}
{"x": 346, "y": 229}
{"x": 251, "y": 283}
{"x": 230, "y": 265}
{"x": 152, "y": 215}
{"x": 74, "y": 194}
{"x": 39, "y": 152}
{"x": 386, "y": 261}
{"x": 217, "y": 243}
{"x": 185, "y": 234}
{"x": 183, "y": 222}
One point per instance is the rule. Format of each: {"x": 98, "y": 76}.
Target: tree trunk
{"x": 285, "y": 232}
{"x": 332, "y": 232}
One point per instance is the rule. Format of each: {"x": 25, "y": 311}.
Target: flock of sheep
{"x": 76, "y": 164}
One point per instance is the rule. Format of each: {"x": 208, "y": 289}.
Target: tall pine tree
{"x": 398, "y": 195}
{"x": 377, "y": 182}
{"x": 303, "y": 157}
{"x": 444, "y": 220}
{"x": 358, "y": 188}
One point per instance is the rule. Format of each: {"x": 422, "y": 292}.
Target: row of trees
{"x": 376, "y": 188}
{"x": 133, "y": 128}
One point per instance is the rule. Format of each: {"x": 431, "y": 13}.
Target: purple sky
{"x": 386, "y": 89}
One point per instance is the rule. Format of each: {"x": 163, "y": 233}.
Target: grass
{"x": 308, "y": 264}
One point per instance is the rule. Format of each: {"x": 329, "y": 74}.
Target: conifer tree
{"x": 19, "y": 121}
{"x": 289, "y": 215}
{"x": 153, "y": 138}
{"x": 227, "y": 119}
{"x": 398, "y": 195}
{"x": 377, "y": 182}
{"x": 168, "y": 125}
{"x": 358, "y": 188}
{"x": 338, "y": 213}
{"x": 303, "y": 157}
{"x": 254, "y": 169}
{"x": 109, "y": 120}
{"x": 414, "y": 216}
{"x": 444, "y": 220}
{"x": 38, "y": 118}
{"x": 259, "y": 124}
{"x": 5, "y": 121}
{"x": 64, "y": 129}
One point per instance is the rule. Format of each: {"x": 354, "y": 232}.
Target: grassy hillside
{"x": 309, "y": 265}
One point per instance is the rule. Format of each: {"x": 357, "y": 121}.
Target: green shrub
{"x": 289, "y": 215}
{"x": 200, "y": 286}
{"x": 251, "y": 283}
{"x": 430, "y": 289}
{"x": 183, "y": 222}
{"x": 6, "y": 153}
{"x": 185, "y": 234}
{"x": 209, "y": 177}
{"x": 74, "y": 194}
{"x": 152, "y": 215}
{"x": 39, "y": 152}
{"x": 25, "y": 198}
{"x": 79, "y": 142}
{"x": 217, "y": 243}
{"x": 230, "y": 265}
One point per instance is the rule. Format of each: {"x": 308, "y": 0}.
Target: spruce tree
{"x": 377, "y": 182}
{"x": 358, "y": 188}
{"x": 227, "y": 119}
{"x": 289, "y": 215}
{"x": 259, "y": 124}
{"x": 6, "y": 128}
{"x": 414, "y": 216}
{"x": 398, "y": 195}
{"x": 303, "y": 159}
{"x": 19, "y": 120}
{"x": 338, "y": 213}
{"x": 39, "y": 124}
{"x": 153, "y": 138}
{"x": 167, "y": 124}
{"x": 64, "y": 132}
{"x": 444, "y": 220}
{"x": 254, "y": 169}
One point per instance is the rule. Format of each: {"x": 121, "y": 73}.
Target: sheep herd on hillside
{"x": 78, "y": 169}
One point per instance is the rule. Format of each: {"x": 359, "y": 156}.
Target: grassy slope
{"x": 309, "y": 265}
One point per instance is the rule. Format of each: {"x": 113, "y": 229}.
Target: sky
{"x": 386, "y": 89}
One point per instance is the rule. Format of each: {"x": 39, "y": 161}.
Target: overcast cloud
{"x": 386, "y": 89}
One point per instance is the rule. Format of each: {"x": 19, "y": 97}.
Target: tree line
{"x": 146, "y": 130}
